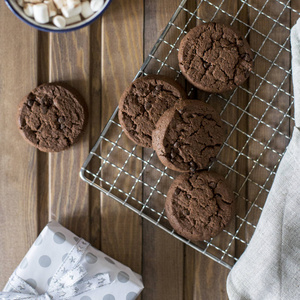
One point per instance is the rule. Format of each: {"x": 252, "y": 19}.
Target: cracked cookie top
{"x": 141, "y": 105}
{"x": 199, "y": 205}
{"x": 188, "y": 136}
{"x": 51, "y": 117}
{"x": 215, "y": 58}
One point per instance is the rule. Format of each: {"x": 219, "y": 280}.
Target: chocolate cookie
{"x": 199, "y": 205}
{"x": 51, "y": 117}
{"x": 188, "y": 136}
{"x": 215, "y": 58}
{"x": 144, "y": 102}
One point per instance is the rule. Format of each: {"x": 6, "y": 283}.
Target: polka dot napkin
{"x": 50, "y": 250}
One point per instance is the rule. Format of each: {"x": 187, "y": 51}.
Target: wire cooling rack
{"x": 257, "y": 116}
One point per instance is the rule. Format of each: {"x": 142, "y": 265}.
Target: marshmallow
{"x": 21, "y": 2}
{"x": 59, "y": 21}
{"x": 73, "y": 20}
{"x": 73, "y": 3}
{"x": 59, "y": 3}
{"x": 86, "y": 9}
{"x": 96, "y": 4}
{"x": 51, "y": 8}
{"x": 33, "y": 1}
{"x": 67, "y": 11}
{"x": 71, "y": 12}
{"x": 40, "y": 13}
{"x": 28, "y": 9}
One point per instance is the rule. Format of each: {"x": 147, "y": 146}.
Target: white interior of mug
{"x": 50, "y": 26}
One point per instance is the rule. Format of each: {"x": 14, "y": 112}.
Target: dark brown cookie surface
{"x": 188, "y": 136}
{"x": 144, "y": 102}
{"x": 199, "y": 205}
{"x": 51, "y": 117}
{"x": 214, "y": 58}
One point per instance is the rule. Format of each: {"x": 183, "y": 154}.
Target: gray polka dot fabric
{"x": 51, "y": 256}
{"x": 123, "y": 277}
{"x": 31, "y": 282}
{"x": 91, "y": 258}
{"x": 109, "y": 297}
{"x": 59, "y": 238}
{"x": 45, "y": 261}
{"x": 38, "y": 241}
{"x": 24, "y": 264}
{"x": 109, "y": 260}
{"x": 64, "y": 256}
{"x": 131, "y": 296}
{"x": 49, "y": 280}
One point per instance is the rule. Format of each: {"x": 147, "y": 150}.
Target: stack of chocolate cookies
{"x": 188, "y": 134}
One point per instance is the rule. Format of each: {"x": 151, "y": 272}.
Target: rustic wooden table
{"x": 100, "y": 61}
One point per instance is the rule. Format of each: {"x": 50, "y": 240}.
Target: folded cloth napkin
{"x": 270, "y": 266}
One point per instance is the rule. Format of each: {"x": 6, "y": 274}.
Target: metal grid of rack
{"x": 258, "y": 117}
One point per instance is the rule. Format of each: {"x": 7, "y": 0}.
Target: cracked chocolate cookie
{"x": 144, "y": 102}
{"x": 51, "y": 117}
{"x": 199, "y": 205}
{"x": 188, "y": 136}
{"x": 215, "y": 58}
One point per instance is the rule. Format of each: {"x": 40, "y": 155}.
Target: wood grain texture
{"x": 18, "y": 161}
{"x": 208, "y": 276}
{"x": 100, "y": 61}
{"x": 68, "y": 195}
{"x": 163, "y": 256}
{"x": 121, "y": 57}
{"x": 95, "y": 124}
{"x": 42, "y": 157}
{"x": 262, "y": 117}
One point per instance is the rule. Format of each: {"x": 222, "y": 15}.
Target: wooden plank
{"x": 266, "y": 101}
{"x": 68, "y": 195}
{"x": 163, "y": 255}
{"x": 42, "y": 157}
{"x": 18, "y": 160}
{"x": 121, "y": 57}
{"x": 206, "y": 273}
{"x": 95, "y": 127}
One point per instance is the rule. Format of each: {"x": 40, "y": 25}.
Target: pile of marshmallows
{"x": 60, "y": 12}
